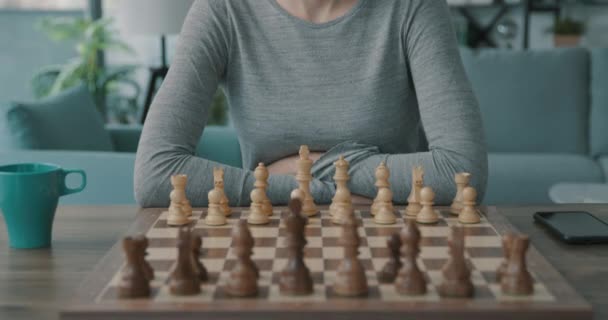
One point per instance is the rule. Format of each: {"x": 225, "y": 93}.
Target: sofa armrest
{"x": 220, "y": 144}
{"x": 125, "y": 137}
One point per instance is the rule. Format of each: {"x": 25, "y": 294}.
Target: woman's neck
{"x": 317, "y": 11}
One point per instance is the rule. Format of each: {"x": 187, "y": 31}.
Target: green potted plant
{"x": 567, "y": 32}
{"x": 114, "y": 90}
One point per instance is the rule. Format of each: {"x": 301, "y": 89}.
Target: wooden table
{"x": 36, "y": 284}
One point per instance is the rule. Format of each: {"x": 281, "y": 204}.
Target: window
{"x": 43, "y": 4}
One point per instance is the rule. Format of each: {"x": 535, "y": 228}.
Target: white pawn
{"x": 256, "y": 210}
{"x": 218, "y": 181}
{"x": 385, "y": 213}
{"x": 215, "y": 216}
{"x": 468, "y": 214}
{"x": 297, "y": 194}
{"x": 261, "y": 181}
{"x": 462, "y": 181}
{"x": 427, "y": 214}
{"x": 186, "y": 206}
{"x": 413, "y": 200}
{"x": 177, "y": 215}
{"x": 382, "y": 175}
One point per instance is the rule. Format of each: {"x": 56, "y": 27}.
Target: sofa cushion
{"x": 526, "y": 178}
{"x": 68, "y": 121}
{"x": 109, "y": 174}
{"x": 532, "y": 101}
{"x": 599, "y": 102}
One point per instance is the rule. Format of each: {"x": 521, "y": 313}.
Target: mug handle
{"x": 65, "y": 189}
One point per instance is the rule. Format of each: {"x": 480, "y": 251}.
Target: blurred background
{"x": 537, "y": 67}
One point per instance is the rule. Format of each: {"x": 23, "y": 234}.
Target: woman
{"x": 373, "y": 80}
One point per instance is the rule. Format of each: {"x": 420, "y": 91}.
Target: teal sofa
{"x": 110, "y": 174}
{"x": 545, "y": 117}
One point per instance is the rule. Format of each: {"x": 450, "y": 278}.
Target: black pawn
{"x": 392, "y": 266}
{"x": 197, "y": 242}
{"x": 295, "y": 279}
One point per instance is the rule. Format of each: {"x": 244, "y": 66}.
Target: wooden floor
{"x": 37, "y": 284}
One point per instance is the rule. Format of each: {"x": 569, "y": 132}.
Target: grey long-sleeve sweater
{"x": 383, "y": 82}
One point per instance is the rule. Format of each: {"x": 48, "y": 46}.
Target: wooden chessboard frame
{"x": 570, "y": 304}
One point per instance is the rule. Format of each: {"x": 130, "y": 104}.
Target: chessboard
{"x": 98, "y": 295}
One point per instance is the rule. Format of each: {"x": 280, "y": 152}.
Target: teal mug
{"x": 29, "y": 194}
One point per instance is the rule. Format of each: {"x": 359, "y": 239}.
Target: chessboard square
{"x": 388, "y": 292}
{"x": 161, "y": 265}
{"x": 483, "y": 242}
{"x": 214, "y": 253}
{"x": 477, "y": 278}
{"x": 314, "y": 264}
{"x": 164, "y": 233}
{"x": 434, "y": 242}
{"x": 377, "y": 242}
{"x": 434, "y": 231}
{"x": 433, "y": 252}
{"x": 265, "y": 231}
{"x": 213, "y": 265}
{"x": 161, "y": 254}
{"x": 263, "y": 253}
{"x": 433, "y": 264}
{"x": 213, "y": 232}
{"x": 314, "y": 222}
{"x": 486, "y": 264}
{"x": 338, "y": 253}
{"x": 335, "y": 242}
{"x": 379, "y": 263}
{"x": 214, "y": 242}
{"x": 381, "y": 231}
{"x": 162, "y": 242}
{"x": 333, "y": 252}
{"x": 331, "y": 231}
{"x": 380, "y": 252}
{"x": 485, "y": 252}
{"x": 201, "y": 225}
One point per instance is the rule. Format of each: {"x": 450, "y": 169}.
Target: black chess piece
{"x": 392, "y": 266}
{"x": 456, "y": 274}
{"x": 516, "y": 279}
{"x": 142, "y": 241}
{"x": 242, "y": 281}
{"x": 295, "y": 279}
{"x": 410, "y": 280}
{"x": 184, "y": 279}
{"x": 134, "y": 282}
{"x": 197, "y": 242}
{"x": 350, "y": 275}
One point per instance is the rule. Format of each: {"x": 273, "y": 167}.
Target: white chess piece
{"x": 261, "y": 181}
{"x": 385, "y": 213}
{"x": 413, "y": 200}
{"x": 303, "y": 176}
{"x": 256, "y": 209}
{"x": 341, "y": 207}
{"x": 215, "y": 216}
{"x": 469, "y": 214}
{"x": 218, "y": 182}
{"x": 462, "y": 181}
{"x": 177, "y": 214}
{"x": 382, "y": 175}
{"x": 427, "y": 214}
